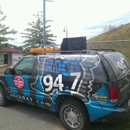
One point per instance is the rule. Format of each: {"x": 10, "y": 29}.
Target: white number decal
{"x": 58, "y": 82}
{"x": 77, "y": 74}
{"x": 48, "y": 81}
{"x": 121, "y": 64}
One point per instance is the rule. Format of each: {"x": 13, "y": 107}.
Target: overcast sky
{"x": 82, "y": 17}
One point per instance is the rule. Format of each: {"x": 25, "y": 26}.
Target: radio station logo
{"x": 19, "y": 82}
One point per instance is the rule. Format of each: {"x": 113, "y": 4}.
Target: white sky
{"x": 82, "y": 17}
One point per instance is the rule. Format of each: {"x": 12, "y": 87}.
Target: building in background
{"x": 10, "y": 55}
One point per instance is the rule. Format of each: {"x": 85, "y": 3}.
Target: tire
{"x": 74, "y": 116}
{"x": 3, "y": 99}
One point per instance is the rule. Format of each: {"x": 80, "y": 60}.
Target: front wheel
{"x": 3, "y": 99}
{"x": 74, "y": 116}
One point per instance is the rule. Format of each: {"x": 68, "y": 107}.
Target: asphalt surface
{"x": 20, "y": 116}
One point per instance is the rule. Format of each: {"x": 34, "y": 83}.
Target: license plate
{"x": 129, "y": 102}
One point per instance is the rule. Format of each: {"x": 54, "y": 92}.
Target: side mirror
{"x": 8, "y": 71}
{"x": 18, "y": 72}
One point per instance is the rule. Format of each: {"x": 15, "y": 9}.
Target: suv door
{"x": 18, "y": 82}
{"x": 43, "y": 81}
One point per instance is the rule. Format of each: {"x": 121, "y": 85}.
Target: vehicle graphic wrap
{"x": 65, "y": 76}
{"x": 47, "y": 80}
{"x": 26, "y": 91}
{"x": 88, "y": 65}
{"x": 62, "y": 75}
{"x": 120, "y": 64}
{"x": 38, "y": 88}
{"x": 100, "y": 105}
{"x": 53, "y": 79}
{"x": 19, "y": 94}
{"x": 4, "y": 84}
{"x": 12, "y": 87}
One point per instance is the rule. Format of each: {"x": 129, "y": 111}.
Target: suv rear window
{"x": 119, "y": 63}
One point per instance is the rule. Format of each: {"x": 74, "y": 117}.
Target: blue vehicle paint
{"x": 9, "y": 80}
{"x": 96, "y": 111}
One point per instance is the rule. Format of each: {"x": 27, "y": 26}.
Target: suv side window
{"x": 25, "y": 66}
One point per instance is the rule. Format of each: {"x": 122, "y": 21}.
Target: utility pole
{"x": 44, "y": 20}
{"x": 0, "y": 11}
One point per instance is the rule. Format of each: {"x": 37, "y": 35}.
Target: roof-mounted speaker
{"x": 75, "y": 43}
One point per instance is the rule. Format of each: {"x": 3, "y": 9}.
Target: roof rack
{"x": 102, "y": 49}
{"x": 48, "y": 50}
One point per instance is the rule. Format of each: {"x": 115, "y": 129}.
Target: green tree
{"x": 5, "y": 30}
{"x": 34, "y": 33}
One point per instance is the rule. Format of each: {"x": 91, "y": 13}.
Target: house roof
{"x": 7, "y": 49}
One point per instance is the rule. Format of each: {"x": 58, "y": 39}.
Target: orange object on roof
{"x": 46, "y": 49}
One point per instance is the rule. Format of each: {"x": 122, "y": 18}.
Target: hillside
{"x": 120, "y": 33}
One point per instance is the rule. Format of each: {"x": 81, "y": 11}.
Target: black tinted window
{"x": 25, "y": 66}
{"x": 93, "y": 68}
{"x": 119, "y": 64}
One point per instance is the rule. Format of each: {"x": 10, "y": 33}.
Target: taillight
{"x": 113, "y": 94}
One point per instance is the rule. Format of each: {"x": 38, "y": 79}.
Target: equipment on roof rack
{"x": 75, "y": 43}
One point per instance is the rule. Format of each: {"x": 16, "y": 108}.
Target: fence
{"x": 122, "y": 46}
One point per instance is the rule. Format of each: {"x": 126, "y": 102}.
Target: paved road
{"x": 19, "y": 116}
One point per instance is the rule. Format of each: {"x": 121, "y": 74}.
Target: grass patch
{"x": 124, "y": 125}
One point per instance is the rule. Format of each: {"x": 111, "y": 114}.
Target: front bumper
{"x": 98, "y": 113}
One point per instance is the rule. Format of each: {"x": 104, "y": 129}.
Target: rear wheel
{"x": 3, "y": 99}
{"x": 74, "y": 115}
